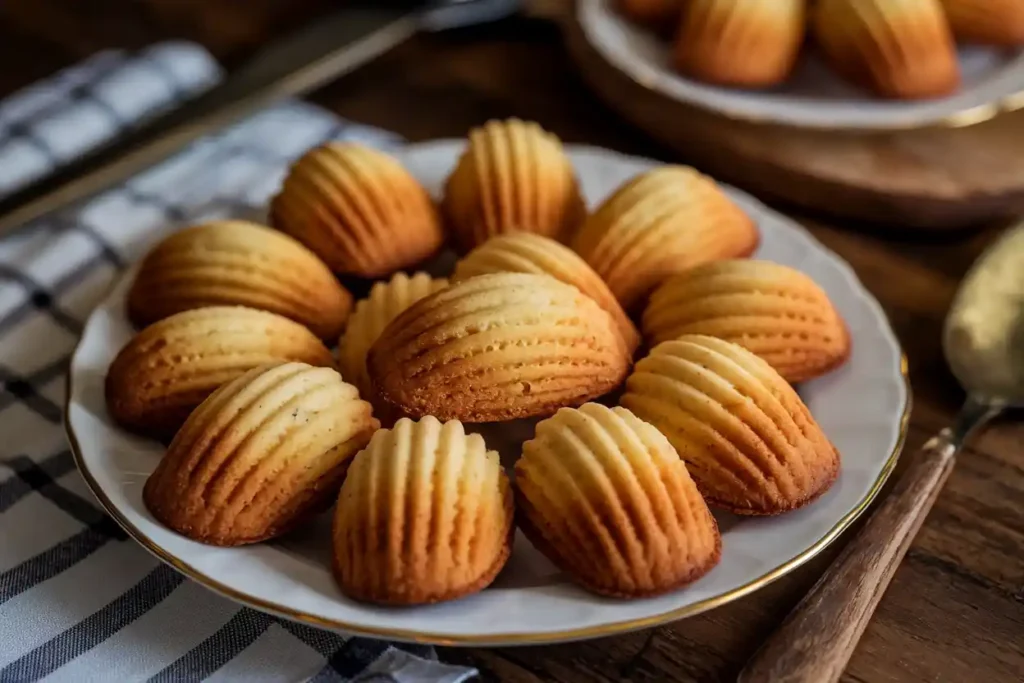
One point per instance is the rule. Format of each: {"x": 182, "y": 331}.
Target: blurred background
{"x": 500, "y": 69}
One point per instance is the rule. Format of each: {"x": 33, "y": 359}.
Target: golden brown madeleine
{"x": 778, "y": 313}
{"x": 238, "y": 263}
{"x": 751, "y": 43}
{"x": 660, "y": 14}
{"x": 169, "y": 368}
{"x": 606, "y": 498}
{"x": 748, "y": 441}
{"x": 997, "y": 22}
{"x": 899, "y": 48}
{"x": 513, "y": 175}
{"x": 358, "y": 209}
{"x": 371, "y": 316}
{"x": 425, "y": 515}
{"x": 259, "y": 455}
{"x": 498, "y": 347}
{"x": 662, "y": 222}
{"x": 524, "y": 252}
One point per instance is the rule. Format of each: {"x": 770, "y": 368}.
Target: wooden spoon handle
{"x": 815, "y": 642}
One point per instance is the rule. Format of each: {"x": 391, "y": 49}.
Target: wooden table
{"x": 955, "y": 610}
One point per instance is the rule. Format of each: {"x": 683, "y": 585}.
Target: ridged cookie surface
{"x": 997, "y": 22}
{"x": 358, "y": 209}
{"x": 371, "y": 316}
{"x": 238, "y": 263}
{"x": 498, "y": 347}
{"x": 261, "y": 453}
{"x": 524, "y": 252}
{"x": 778, "y": 313}
{"x": 751, "y": 43}
{"x": 605, "y": 496}
{"x": 425, "y": 515}
{"x": 748, "y": 441}
{"x": 662, "y": 222}
{"x": 513, "y": 175}
{"x": 169, "y": 368}
{"x": 899, "y": 48}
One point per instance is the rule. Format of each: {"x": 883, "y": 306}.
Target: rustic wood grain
{"x": 954, "y": 612}
{"x": 818, "y": 637}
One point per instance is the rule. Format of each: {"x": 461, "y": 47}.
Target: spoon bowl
{"x": 983, "y": 338}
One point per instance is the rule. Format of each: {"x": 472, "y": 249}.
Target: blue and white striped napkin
{"x": 79, "y": 601}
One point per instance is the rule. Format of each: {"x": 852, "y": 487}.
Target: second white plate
{"x": 814, "y": 97}
{"x": 862, "y": 407}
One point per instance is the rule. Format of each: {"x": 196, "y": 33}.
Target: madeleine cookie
{"x": 751, "y": 43}
{"x": 524, "y": 252}
{"x": 498, "y": 347}
{"x": 425, "y": 515}
{"x": 606, "y": 498}
{"x": 261, "y": 453}
{"x": 748, "y": 441}
{"x": 996, "y": 22}
{"x": 662, "y": 222}
{"x": 238, "y": 263}
{"x": 513, "y": 175}
{"x": 371, "y": 316}
{"x": 358, "y": 209}
{"x": 777, "y": 312}
{"x": 898, "y": 48}
{"x": 169, "y": 368}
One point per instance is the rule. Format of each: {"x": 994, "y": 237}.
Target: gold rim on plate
{"x": 500, "y": 638}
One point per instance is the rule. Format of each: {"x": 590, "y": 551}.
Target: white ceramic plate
{"x": 862, "y": 407}
{"x": 814, "y": 97}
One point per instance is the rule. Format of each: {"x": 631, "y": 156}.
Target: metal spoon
{"x": 983, "y": 341}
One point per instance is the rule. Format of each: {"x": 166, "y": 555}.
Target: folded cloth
{"x": 79, "y": 601}
{"x": 56, "y": 120}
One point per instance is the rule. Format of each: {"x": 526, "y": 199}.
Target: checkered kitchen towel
{"x": 79, "y": 601}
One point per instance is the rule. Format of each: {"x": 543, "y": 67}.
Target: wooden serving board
{"x": 928, "y": 179}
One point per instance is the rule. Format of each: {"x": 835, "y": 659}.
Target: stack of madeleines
{"x": 542, "y": 317}
{"x": 897, "y": 48}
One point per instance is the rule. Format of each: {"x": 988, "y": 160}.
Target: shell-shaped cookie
{"x": 748, "y": 441}
{"x": 514, "y": 175}
{"x": 498, "y": 347}
{"x": 372, "y": 314}
{"x": 260, "y": 454}
{"x": 238, "y": 263}
{"x": 777, "y": 312}
{"x": 898, "y": 48}
{"x": 524, "y": 252}
{"x": 662, "y": 222}
{"x": 606, "y": 498}
{"x": 997, "y": 22}
{"x": 751, "y": 43}
{"x": 358, "y": 209}
{"x": 425, "y": 515}
{"x": 169, "y": 368}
